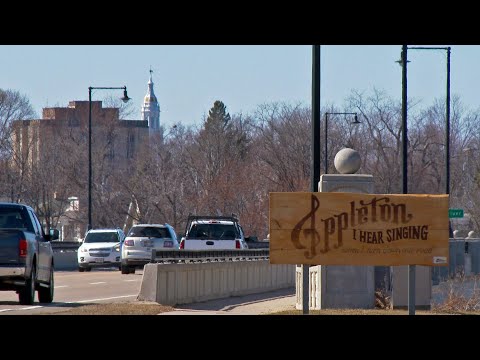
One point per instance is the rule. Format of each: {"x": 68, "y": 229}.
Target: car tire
{"x": 124, "y": 269}
{"x": 132, "y": 270}
{"x": 81, "y": 269}
{"x": 45, "y": 294}
{"x": 26, "y": 296}
{"x": 88, "y": 268}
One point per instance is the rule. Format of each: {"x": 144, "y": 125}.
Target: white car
{"x": 213, "y": 233}
{"x": 100, "y": 248}
{"x": 141, "y": 240}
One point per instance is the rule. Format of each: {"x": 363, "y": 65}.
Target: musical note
{"x": 312, "y": 232}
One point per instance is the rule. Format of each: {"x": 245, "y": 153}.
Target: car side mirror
{"x": 53, "y": 235}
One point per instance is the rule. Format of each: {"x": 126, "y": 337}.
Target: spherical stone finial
{"x": 347, "y": 161}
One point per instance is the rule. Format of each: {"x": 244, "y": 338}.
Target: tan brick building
{"x": 63, "y": 131}
{"x": 129, "y": 135}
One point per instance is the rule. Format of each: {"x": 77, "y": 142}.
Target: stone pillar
{"x": 342, "y": 286}
{"x": 423, "y": 287}
{"x": 346, "y": 286}
{"x": 314, "y": 290}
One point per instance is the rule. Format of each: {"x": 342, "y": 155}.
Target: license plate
{"x": 99, "y": 260}
{"x": 147, "y": 243}
{"x": 168, "y": 244}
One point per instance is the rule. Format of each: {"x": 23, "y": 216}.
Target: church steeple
{"x": 151, "y": 107}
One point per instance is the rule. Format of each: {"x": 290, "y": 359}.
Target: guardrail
{"x": 183, "y": 256}
{"x": 63, "y": 246}
{"x": 258, "y": 244}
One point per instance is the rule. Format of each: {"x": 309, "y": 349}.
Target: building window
{"x": 130, "y": 146}
{"x": 73, "y": 200}
{"x": 73, "y": 121}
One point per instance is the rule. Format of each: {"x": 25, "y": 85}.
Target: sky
{"x": 188, "y": 79}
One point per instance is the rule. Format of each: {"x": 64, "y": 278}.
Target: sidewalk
{"x": 255, "y": 304}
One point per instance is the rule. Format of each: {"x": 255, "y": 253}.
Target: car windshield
{"x": 13, "y": 218}
{"x": 149, "y": 231}
{"x": 97, "y": 237}
{"x": 212, "y": 231}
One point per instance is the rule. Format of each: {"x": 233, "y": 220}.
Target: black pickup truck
{"x": 26, "y": 256}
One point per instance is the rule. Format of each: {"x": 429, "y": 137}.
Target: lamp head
{"x": 125, "y": 97}
{"x": 355, "y": 120}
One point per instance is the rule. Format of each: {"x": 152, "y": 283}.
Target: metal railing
{"x": 183, "y": 256}
{"x": 63, "y": 246}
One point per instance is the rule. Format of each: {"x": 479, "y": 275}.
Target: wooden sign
{"x": 334, "y": 228}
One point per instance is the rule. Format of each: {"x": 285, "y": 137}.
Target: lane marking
{"x": 31, "y": 307}
{"x": 132, "y": 280}
{"x": 61, "y": 286}
{"x": 100, "y": 282}
{"x": 101, "y": 299}
{"x": 3, "y": 310}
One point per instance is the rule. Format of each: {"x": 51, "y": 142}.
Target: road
{"x": 73, "y": 288}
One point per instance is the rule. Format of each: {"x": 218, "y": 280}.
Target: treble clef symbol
{"x": 315, "y": 237}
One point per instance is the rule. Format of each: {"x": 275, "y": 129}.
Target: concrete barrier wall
{"x": 474, "y": 250}
{"x": 464, "y": 259}
{"x": 457, "y": 256}
{"x": 65, "y": 260}
{"x": 172, "y": 284}
{"x": 455, "y": 261}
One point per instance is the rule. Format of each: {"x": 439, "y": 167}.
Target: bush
{"x": 457, "y": 295}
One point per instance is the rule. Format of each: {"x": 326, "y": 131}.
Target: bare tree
{"x": 230, "y": 163}
{"x": 13, "y": 106}
{"x": 126, "y": 110}
{"x": 284, "y": 139}
{"x": 381, "y": 135}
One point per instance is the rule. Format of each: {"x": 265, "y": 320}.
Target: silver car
{"x": 141, "y": 240}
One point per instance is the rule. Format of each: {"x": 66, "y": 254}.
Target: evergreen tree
{"x": 218, "y": 119}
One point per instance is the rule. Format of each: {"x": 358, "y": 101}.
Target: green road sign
{"x": 455, "y": 213}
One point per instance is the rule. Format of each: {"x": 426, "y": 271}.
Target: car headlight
{"x": 116, "y": 248}
{"x": 83, "y": 249}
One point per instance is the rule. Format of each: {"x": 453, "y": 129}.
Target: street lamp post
{"x": 125, "y": 99}
{"x": 315, "y": 164}
{"x": 355, "y": 121}
{"x": 403, "y": 62}
{"x": 411, "y": 268}
{"x": 447, "y": 115}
